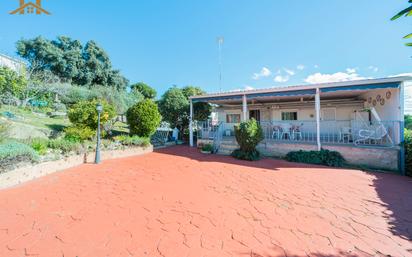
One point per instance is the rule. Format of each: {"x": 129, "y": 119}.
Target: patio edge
{"x": 28, "y": 173}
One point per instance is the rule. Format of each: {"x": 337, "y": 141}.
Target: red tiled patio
{"x": 177, "y": 202}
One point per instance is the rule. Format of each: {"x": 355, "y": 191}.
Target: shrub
{"x": 408, "y": 152}
{"x": 207, "y": 148}
{"x": 39, "y": 145}
{"x": 66, "y": 146}
{"x": 84, "y": 114}
{"x": 14, "y": 152}
{"x": 133, "y": 140}
{"x": 143, "y": 118}
{"x": 4, "y": 130}
{"x": 79, "y": 133}
{"x": 322, "y": 157}
{"x": 248, "y": 135}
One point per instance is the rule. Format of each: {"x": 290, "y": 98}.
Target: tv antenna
{"x": 220, "y": 41}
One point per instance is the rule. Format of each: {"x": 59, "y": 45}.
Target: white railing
{"x": 350, "y": 132}
{"x": 384, "y": 133}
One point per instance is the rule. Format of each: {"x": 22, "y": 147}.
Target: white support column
{"x": 244, "y": 100}
{"x": 191, "y": 124}
{"x": 317, "y": 107}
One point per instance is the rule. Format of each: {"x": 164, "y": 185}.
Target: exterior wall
{"x": 379, "y": 158}
{"x": 391, "y": 109}
{"x": 11, "y": 63}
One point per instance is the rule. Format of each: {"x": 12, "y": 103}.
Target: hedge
{"x": 322, "y": 157}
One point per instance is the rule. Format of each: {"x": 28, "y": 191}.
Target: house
{"x": 12, "y": 63}
{"x": 363, "y": 119}
{"x": 30, "y": 8}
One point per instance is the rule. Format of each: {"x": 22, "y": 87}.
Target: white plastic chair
{"x": 286, "y": 130}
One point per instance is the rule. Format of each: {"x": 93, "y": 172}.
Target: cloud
{"x": 373, "y": 68}
{"x": 335, "y": 77}
{"x": 290, "y": 72}
{"x": 300, "y": 67}
{"x": 408, "y": 74}
{"x": 351, "y": 70}
{"x": 245, "y": 87}
{"x": 281, "y": 79}
{"x": 264, "y": 72}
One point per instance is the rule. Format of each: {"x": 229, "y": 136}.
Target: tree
{"x": 147, "y": 91}
{"x": 84, "y": 113}
{"x": 11, "y": 83}
{"x": 201, "y": 110}
{"x": 405, "y": 12}
{"x": 173, "y": 107}
{"x": 143, "y": 118}
{"x": 71, "y": 61}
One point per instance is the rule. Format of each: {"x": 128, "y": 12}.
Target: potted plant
{"x": 207, "y": 149}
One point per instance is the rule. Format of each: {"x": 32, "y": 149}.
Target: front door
{"x": 255, "y": 114}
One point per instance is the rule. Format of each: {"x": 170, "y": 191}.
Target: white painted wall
{"x": 11, "y": 63}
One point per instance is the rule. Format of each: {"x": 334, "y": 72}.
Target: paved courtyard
{"x": 177, "y": 202}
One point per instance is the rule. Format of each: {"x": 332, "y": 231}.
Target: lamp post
{"x": 99, "y": 109}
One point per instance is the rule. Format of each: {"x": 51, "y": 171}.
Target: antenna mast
{"x": 220, "y": 41}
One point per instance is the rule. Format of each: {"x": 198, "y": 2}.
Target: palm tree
{"x": 405, "y": 12}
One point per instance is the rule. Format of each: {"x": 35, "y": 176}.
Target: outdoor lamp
{"x": 99, "y": 109}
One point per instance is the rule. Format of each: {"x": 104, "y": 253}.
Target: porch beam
{"x": 244, "y": 104}
{"x": 317, "y": 107}
{"x": 191, "y": 124}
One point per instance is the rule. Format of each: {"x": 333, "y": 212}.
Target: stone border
{"x": 28, "y": 173}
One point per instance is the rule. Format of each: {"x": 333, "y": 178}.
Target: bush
{"x": 133, "y": 140}
{"x": 322, "y": 157}
{"x": 66, "y": 146}
{"x": 207, "y": 148}
{"x": 39, "y": 145}
{"x": 4, "y": 130}
{"x": 143, "y": 118}
{"x": 14, "y": 152}
{"x": 408, "y": 152}
{"x": 84, "y": 114}
{"x": 248, "y": 135}
{"x": 79, "y": 133}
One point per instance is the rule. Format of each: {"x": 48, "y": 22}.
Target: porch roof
{"x": 346, "y": 89}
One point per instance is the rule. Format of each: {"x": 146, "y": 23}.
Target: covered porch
{"x": 357, "y": 113}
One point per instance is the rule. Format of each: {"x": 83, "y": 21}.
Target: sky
{"x": 267, "y": 43}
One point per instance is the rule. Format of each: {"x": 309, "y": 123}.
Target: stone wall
{"x": 373, "y": 157}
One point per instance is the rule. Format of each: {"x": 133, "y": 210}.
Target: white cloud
{"x": 373, "y": 68}
{"x": 245, "y": 87}
{"x": 351, "y": 70}
{"x": 264, "y": 72}
{"x": 290, "y": 72}
{"x": 281, "y": 79}
{"x": 300, "y": 67}
{"x": 408, "y": 74}
{"x": 335, "y": 77}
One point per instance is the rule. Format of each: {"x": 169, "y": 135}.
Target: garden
{"x": 48, "y": 109}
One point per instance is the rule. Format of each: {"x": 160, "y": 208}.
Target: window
{"x": 289, "y": 115}
{"x": 328, "y": 114}
{"x": 232, "y": 118}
